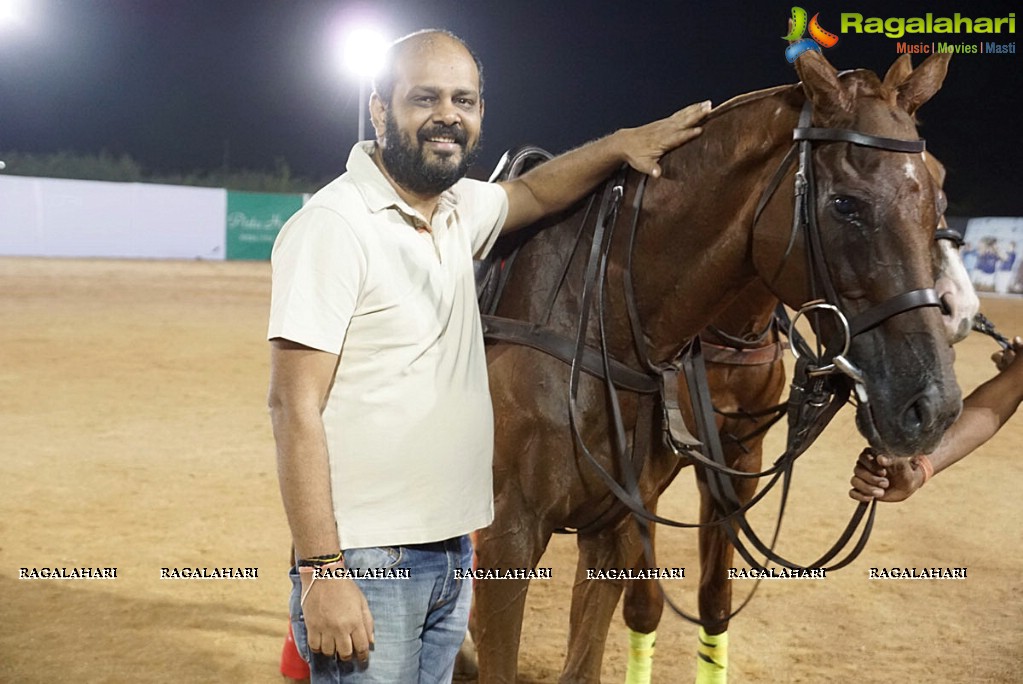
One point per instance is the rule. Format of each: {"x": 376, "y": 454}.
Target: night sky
{"x": 182, "y": 85}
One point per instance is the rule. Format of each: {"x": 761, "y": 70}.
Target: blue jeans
{"x": 418, "y": 623}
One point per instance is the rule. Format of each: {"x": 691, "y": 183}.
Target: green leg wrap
{"x": 712, "y": 658}
{"x": 641, "y": 657}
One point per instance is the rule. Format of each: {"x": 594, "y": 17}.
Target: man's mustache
{"x": 456, "y": 133}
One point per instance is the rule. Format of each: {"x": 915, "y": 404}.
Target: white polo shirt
{"x": 409, "y": 422}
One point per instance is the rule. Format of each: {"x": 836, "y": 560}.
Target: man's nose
{"x": 447, "y": 113}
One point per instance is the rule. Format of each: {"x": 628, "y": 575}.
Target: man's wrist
{"x": 926, "y": 466}
{"x": 319, "y": 561}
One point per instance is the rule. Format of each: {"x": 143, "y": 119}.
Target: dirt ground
{"x": 134, "y": 434}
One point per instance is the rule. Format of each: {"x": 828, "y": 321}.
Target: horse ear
{"x": 923, "y": 82}
{"x": 898, "y": 72}
{"x": 820, "y": 82}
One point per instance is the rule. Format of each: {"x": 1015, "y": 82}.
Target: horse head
{"x": 876, "y": 208}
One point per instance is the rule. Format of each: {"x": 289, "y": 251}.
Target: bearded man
{"x": 378, "y": 391}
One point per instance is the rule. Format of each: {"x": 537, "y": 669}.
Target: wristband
{"x": 317, "y": 561}
{"x": 317, "y": 570}
{"x": 926, "y": 466}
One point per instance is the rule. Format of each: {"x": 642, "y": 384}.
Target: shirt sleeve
{"x": 486, "y": 206}
{"x": 319, "y": 267}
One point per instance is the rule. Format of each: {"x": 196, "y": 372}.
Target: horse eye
{"x": 845, "y": 205}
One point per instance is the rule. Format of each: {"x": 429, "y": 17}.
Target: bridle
{"x": 823, "y": 297}
{"x": 820, "y": 386}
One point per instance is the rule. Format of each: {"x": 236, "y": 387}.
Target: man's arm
{"x": 336, "y": 614}
{"x": 985, "y": 410}
{"x": 299, "y": 380}
{"x": 556, "y": 184}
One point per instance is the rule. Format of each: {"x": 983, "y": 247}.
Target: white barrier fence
{"x": 76, "y": 218}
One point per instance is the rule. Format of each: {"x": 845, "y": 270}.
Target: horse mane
{"x": 757, "y": 95}
{"x": 746, "y": 98}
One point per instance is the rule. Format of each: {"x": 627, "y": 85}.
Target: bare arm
{"x": 299, "y": 380}
{"x": 985, "y": 410}
{"x": 556, "y": 184}
{"x": 336, "y": 614}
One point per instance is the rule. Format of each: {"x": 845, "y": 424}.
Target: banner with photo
{"x": 991, "y": 254}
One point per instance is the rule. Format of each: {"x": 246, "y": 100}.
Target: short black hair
{"x": 383, "y": 82}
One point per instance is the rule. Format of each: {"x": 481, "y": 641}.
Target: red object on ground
{"x": 292, "y": 665}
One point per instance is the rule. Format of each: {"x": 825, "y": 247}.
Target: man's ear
{"x": 378, "y": 115}
{"x": 482, "y": 101}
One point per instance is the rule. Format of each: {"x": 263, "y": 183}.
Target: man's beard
{"x": 407, "y": 164}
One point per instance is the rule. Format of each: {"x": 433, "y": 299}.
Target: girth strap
{"x": 536, "y": 336}
{"x": 737, "y": 356}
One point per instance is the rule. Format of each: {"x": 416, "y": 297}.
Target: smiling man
{"x": 378, "y": 391}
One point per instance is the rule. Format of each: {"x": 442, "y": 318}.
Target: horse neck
{"x": 694, "y": 242}
{"x": 746, "y": 317}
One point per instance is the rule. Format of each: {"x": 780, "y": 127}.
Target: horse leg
{"x": 716, "y": 553}
{"x": 594, "y": 600}
{"x": 514, "y": 540}
{"x": 641, "y": 609}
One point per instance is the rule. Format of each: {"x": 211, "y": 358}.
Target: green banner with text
{"x": 253, "y": 221}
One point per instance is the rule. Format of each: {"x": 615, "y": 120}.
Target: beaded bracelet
{"x": 926, "y": 466}
{"x": 317, "y": 561}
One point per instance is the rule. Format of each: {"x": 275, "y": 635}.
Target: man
{"x": 985, "y": 411}
{"x": 378, "y": 391}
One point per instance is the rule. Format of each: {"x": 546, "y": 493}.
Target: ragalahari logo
{"x": 818, "y": 37}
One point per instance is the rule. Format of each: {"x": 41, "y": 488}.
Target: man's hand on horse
{"x": 885, "y": 478}
{"x": 644, "y": 146}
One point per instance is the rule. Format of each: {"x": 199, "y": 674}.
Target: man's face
{"x": 431, "y": 129}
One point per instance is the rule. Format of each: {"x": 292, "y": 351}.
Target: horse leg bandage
{"x": 712, "y": 658}
{"x": 641, "y": 657}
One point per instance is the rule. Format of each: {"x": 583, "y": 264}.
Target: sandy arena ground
{"x": 134, "y": 434}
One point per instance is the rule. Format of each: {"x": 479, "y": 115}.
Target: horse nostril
{"x": 919, "y": 415}
{"x": 946, "y": 305}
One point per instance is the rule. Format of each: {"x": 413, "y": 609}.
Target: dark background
{"x": 182, "y": 85}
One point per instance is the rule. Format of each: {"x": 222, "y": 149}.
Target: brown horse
{"x": 695, "y": 248}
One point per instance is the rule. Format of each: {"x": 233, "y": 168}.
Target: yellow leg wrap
{"x": 712, "y": 658}
{"x": 641, "y": 657}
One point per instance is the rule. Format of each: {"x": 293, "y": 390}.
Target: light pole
{"x": 12, "y": 15}
{"x": 364, "y": 50}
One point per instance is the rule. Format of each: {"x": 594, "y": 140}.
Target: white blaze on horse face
{"x": 955, "y": 289}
